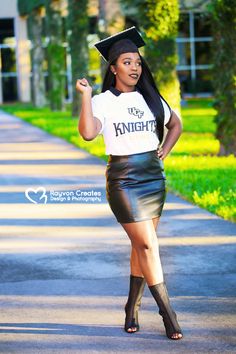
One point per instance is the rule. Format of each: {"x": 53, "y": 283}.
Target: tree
{"x": 111, "y": 21}
{"x": 77, "y": 35}
{"x": 37, "y": 57}
{"x": 56, "y": 55}
{"x": 158, "y": 21}
{"x": 25, "y": 7}
{"x": 224, "y": 72}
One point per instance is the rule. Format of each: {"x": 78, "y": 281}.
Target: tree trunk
{"x": 111, "y": 21}
{"x": 78, "y": 32}
{"x": 224, "y": 73}
{"x": 102, "y": 31}
{"x": 37, "y": 58}
{"x": 56, "y": 55}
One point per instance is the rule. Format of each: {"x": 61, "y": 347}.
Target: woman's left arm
{"x": 174, "y": 127}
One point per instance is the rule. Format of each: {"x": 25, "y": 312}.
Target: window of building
{"x": 8, "y": 60}
{"x": 202, "y": 26}
{"x": 184, "y": 54}
{"x": 194, "y": 52}
{"x": 184, "y": 25}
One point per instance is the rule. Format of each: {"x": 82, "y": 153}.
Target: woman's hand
{"x": 89, "y": 126}
{"x": 174, "y": 127}
{"x": 161, "y": 153}
{"x": 83, "y": 86}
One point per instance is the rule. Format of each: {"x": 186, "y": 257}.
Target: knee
{"x": 144, "y": 247}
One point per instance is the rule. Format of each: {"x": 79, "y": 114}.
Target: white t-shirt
{"x": 128, "y": 125}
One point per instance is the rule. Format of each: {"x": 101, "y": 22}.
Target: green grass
{"x": 198, "y": 116}
{"x": 193, "y": 169}
{"x": 208, "y": 181}
{"x": 195, "y": 144}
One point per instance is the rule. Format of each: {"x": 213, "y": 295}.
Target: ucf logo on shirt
{"x": 136, "y": 112}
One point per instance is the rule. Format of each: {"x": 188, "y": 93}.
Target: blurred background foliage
{"x": 202, "y": 166}
{"x": 72, "y": 27}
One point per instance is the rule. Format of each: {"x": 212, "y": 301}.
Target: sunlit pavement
{"x": 64, "y": 262}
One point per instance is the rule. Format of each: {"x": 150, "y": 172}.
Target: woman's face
{"x": 127, "y": 70}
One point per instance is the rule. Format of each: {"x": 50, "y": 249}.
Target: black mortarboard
{"x": 126, "y": 41}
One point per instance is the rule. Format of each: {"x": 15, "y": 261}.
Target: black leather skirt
{"x": 135, "y": 186}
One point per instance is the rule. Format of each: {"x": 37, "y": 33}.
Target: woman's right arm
{"x": 89, "y": 126}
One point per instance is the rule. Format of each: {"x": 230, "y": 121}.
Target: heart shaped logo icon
{"x": 36, "y": 196}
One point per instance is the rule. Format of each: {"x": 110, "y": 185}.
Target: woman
{"x": 131, "y": 114}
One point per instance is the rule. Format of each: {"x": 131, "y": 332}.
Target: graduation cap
{"x": 127, "y": 41}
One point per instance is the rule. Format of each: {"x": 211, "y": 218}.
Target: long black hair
{"x": 147, "y": 87}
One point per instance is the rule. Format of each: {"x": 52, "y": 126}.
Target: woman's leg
{"x": 134, "y": 262}
{"x": 144, "y": 241}
{"x": 136, "y": 288}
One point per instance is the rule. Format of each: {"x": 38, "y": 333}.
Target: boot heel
{"x": 137, "y": 285}
{"x": 160, "y": 294}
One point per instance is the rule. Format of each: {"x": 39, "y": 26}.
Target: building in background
{"x": 14, "y": 55}
{"x": 193, "y": 44}
{"x": 194, "y": 47}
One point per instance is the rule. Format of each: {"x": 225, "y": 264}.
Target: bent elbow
{"x": 180, "y": 126}
{"x": 88, "y": 138}
{"x": 86, "y": 135}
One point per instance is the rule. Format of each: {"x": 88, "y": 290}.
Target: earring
{"x": 114, "y": 73}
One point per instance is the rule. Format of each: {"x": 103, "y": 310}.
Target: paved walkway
{"x": 64, "y": 261}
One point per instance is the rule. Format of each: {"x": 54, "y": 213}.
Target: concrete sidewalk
{"x": 64, "y": 261}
